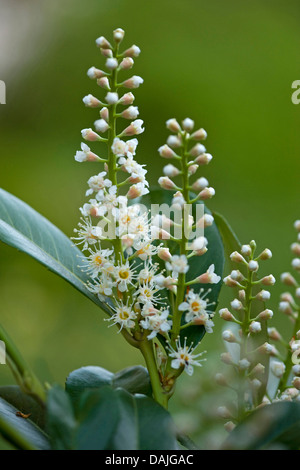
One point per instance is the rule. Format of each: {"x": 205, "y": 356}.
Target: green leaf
{"x": 133, "y": 379}
{"x": 230, "y": 240}
{"x": 198, "y": 265}
{"x": 275, "y": 426}
{"x": 13, "y": 395}
{"x": 20, "y": 432}
{"x": 61, "y": 421}
{"x": 25, "y": 229}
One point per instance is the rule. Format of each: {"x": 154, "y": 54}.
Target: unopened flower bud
{"x": 127, "y": 99}
{"x": 263, "y": 295}
{"x": 197, "y": 150}
{"x": 131, "y": 113}
{"x": 166, "y": 183}
{"x": 246, "y": 250}
{"x": 268, "y": 348}
{"x": 103, "y": 43}
{"x": 297, "y": 293}
{"x": 242, "y": 294}
{"x": 223, "y": 412}
{"x": 104, "y": 113}
{"x": 236, "y": 257}
{"x": 127, "y": 63}
{"x": 296, "y": 382}
{"x": 244, "y": 364}
{"x": 90, "y": 135}
{"x": 133, "y": 51}
{"x": 236, "y": 304}
{"x": 203, "y": 159}
{"x": 164, "y": 254}
{"x": 206, "y": 193}
{"x": 106, "y": 52}
{"x": 229, "y": 426}
{"x": 133, "y": 82}
{"x": 135, "y": 128}
{"x": 268, "y": 280}
{"x": 259, "y": 370}
{"x": 174, "y": 141}
{"x": 104, "y": 83}
{"x": 205, "y": 221}
{"x": 297, "y": 225}
{"x": 296, "y": 264}
{"x": 200, "y": 134}
{"x": 188, "y": 124}
{"x": 112, "y": 98}
{"x": 94, "y": 73}
{"x": 228, "y": 281}
{"x": 253, "y": 266}
{"x": 192, "y": 169}
{"x": 118, "y": 34}
{"x": 255, "y": 327}
{"x": 200, "y": 184}
{"x": 277, "y": 368}
{"x": 221, "y": 380}
{"x": 199, "y": 244}
{"x": 228, "y": 336}
{"x": 173, "y": 125}
{"x": 91, "y": 102}
{"x": 265, "y": 314}
{"x": 170, "y": 170}
{"x": 274, "y": 334}
{"x": 226, "y": 358}
{"x": 166, "y": 152}
{"x": 225, "y": 314}
{"x": 101, "y": 125}
{"x": 296, "y": 370}
{"x": 111, "y": 63}
{"x": 285, "y": 308}
{"x": 256, "y": 384}
{"x": 266, "y": 254}
{"x": 288, "y": 279}
{"x": 295, "y": 247}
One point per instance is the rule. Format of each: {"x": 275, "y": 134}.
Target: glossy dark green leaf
{"x": 198, "y": 265}
{"x": 230, "y": 240}
{"x": 133, "y": 379}
{"x": 275, "y": 426}
{"x": 61, "y": 421}
{"x": 13, "y": 395}
{"x": 25, "y": 229}
{"x": 20, "y": 432}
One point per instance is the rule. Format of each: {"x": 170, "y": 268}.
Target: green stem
{"x": 146, "y": 348}
{"x": 288, "y": 361}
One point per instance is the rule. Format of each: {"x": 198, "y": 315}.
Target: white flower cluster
{"x": 118, "y": 239}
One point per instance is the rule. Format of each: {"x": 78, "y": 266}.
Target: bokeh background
{"x": 227, "y": 65}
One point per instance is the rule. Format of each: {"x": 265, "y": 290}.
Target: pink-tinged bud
{"x": 236, "y": 257}
{"x": 112, "y": 98}
{"x": 297, "y": 293}
{"x": 104, "y": 113}
{"x": 197, "y": 150}
{"x": 170, "y": 170}
{"x": 285, "y": 308}
{"x": 166, "y": 183}
{"x": 174, "y": 141}
{"x": 91, "y": 102}
{"x": 164, "y": 254}
{"x": 111, "y": 63}
{"x": 200, "y": 184}
{"x": 127, "y": 63}
{"x": 199, "y": 244}
{"x": 103, "y": 43}
{"x": 296, "y": 382}
{"x": 268, "y": 280}
{"x": 188, "y": 124}
{"x": 287, "y": 297}
{"x": 242, "y": 295}
{"x": 133, "y": 82}
{"x": 135, "y": 128}
{"x": 104, "y": 83}
{"x": 229, "y": 426}
{"x": 135, "y": 179}
{"x": 263, "y": 295}
{"x": 206, "y": 221}
{"x": 223, "y": 412}
{"x": 192, "y": 169}
{"x": 90, "y": 135}
{"x": 210, "y": 277}
{"x": 259, "y": 369}
{"x": 296, "y": 249}
{"x": 221, "y": 380}
{"x": 269, "y": 349}
{"x": 159, "y": 234}
{"x": 266, "y": 254}
{"x": 228, "y": 281}
{"x": 204, "y": 159}
{"x": 173, "y": 125}
{"x": 288, "y": 279}
{"x": 166, "y": 152}
{"x": 226, "y": 358}
{"x": 127, "y": 99}
{"x": 236, "y": 304}
{"x": 225, "y": 314}
{"x": 200, "y": 134}
{"x": 85, "y": 155}
{"x": 101, "y": 125}
{"x": 229, "y": 337}
{"x": 118, "y": 34}
{"x": 297, "y": 225}
{"x": 296, "y": 264}
{"x": 266, "y": 314}
{"x": 133, "y": 51}
{"x": 274, "y": 334}
{"x": 206, "y": 193}
{"x": 93, "y": 73}
{"x": 130, "y": 113}
{"x": 134, "y": 192}
{"x": 106, "y": 52}
{"x": 296, "y": 370}
{"x": 244, "y": 364}
{"x": 253, "y": 266}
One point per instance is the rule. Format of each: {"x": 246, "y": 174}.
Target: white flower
{"x": 92, "y": 208}
{"x": 87, "y": 234}
{"x": 102, "y": 287}
{"x": 124, "y": 316}
{"x": 157, "y": 323}
{"x": 184, "y": 357}
{"x": 119, "y": 147}
{"x": 131, "y": 113}
{"x": 124, "y": 276}
{"x": 196, "y": 307}
{"x": 97, "y": 182}
{"x": 109, "y": 199}
{"x": 210, "y": 277}
{"x": 137, "y": 190}
{"x": 144, "y": 248}
{"x": 135, "y": 128}
{"x": 133, "y": 82}
{"x": 98, "y": 262}
{"x": 178, "y": 264}
{"x": 85, "y": 155}
{"x": 147, "y": 293}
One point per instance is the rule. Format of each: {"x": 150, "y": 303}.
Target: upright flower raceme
{"x": 125, "y": 255}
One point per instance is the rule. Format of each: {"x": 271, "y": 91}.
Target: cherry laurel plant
{"x": 125, "y": 247}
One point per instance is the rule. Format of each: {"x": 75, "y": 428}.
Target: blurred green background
{"x": 228, "y": 65}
